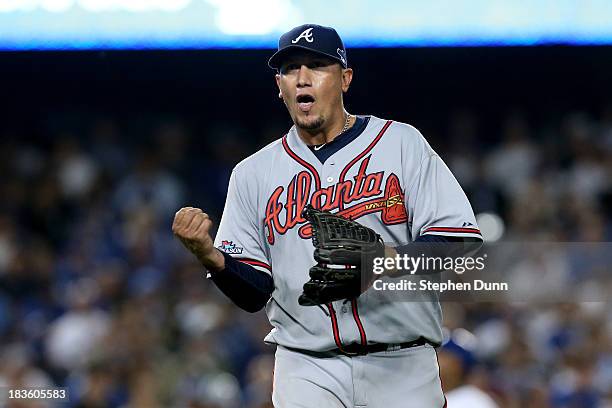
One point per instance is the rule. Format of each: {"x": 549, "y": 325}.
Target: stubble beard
{"x": 315, "y": 124}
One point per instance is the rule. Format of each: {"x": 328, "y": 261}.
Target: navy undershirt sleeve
{"x": 408, "y": 249}
{"x": 421, "y": 245}
{"x": 438, "y": 246}
{"x": 246, "y": 286}
{"x": 432, "y": 238}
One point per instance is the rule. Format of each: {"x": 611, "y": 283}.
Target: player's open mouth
{"x": 305, "y": 102}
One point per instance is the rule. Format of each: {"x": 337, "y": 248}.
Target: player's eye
{"x": 290, "y": 67}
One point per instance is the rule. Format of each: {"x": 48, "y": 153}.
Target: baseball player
{"x": 352, "y": 350}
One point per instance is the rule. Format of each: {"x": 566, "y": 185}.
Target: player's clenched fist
{"x": 192, "y": 226}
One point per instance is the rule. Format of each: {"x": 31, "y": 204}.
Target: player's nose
{"x": 304, "y": 76}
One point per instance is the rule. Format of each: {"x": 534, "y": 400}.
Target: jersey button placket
{"x": 328, "y": 173}
{"x": 346, "y": 325}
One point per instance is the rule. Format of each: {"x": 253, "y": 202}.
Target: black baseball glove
{"x": 344, "y": 251}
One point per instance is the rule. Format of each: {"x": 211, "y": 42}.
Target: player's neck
{"x": 327, "y": 133}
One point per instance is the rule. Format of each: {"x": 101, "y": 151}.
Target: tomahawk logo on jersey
{"x": 285, "y": 205}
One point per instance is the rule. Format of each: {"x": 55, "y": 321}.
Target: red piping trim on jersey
{"x": 451, "y": 229}
{"x": 310, "y": 167}
{"x": 360, "y": 155}
{"x": 317, "y": 180}
{"x": 332, "y": 314}
{"x": 254, "y": 262}
{"x": 362, "y": 334}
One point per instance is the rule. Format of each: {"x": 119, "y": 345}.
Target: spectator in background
{"x": 149, "y": 185}
{"x": 513, "y": 164}
{"x": 74, "y": 338}
{"x": 462, "y": 378}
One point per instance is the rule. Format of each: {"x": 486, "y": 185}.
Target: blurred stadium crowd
{"x": 96, "y": 295}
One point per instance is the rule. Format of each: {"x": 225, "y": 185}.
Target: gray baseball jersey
{"x": 388, "y": 179}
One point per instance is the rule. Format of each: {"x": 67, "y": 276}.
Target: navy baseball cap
{"x": 312, "y": 37}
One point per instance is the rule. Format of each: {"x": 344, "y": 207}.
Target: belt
{"x": 356, "y": 349}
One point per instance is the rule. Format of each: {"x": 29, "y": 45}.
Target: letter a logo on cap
{"x": 306, "y": 34}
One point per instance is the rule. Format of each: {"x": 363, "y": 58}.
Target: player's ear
{"x": 280, "y": 93}
{"x": 347, "y": 77}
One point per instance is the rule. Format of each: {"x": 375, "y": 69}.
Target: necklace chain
{"x": 346, "y": 123}
{"x": 344, "y": 129}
